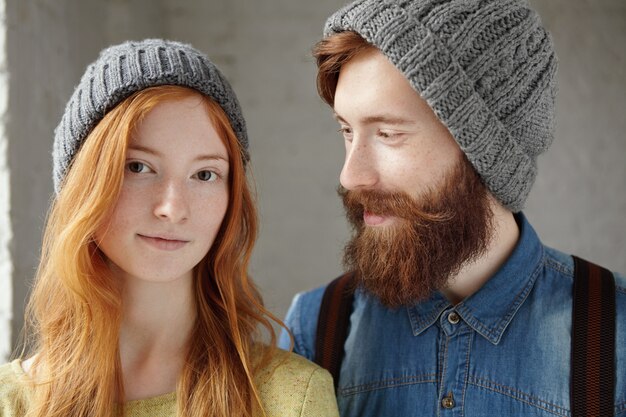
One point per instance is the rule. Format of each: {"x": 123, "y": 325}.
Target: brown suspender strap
{"x": 593, "y": 341}
{"x": 333, "y": 323}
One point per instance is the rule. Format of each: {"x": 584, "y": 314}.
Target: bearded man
{"x": 458, "y": 308}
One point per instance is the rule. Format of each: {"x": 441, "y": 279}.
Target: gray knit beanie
{"x": 124, "y": 69}
{"x": 486, "y": 67}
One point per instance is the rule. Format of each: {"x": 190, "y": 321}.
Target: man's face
{"x": 418, "y": 209}
{"x": 394, "y": 141}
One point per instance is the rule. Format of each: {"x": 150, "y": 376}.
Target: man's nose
{"x": 359, "y": 169}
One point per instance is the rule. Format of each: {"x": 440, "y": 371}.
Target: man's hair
{"x": 331, "y": 54}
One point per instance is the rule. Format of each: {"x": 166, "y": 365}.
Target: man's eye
{"x": 137, "y": 167}
{"x": 346, "y": 132}
{"x": 386, "y": 134}
{"x": 206, "y": 175}
{"x": 391, "y": 136}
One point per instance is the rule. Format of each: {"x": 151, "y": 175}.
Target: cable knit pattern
{"x": 486, "y": 67}
{"x": 124, "y": 69}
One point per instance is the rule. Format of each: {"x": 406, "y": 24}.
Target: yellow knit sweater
{"x": 297, "y": 387}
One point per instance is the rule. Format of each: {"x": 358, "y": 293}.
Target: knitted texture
{"x": 486, "y": 67}
{"x": 124, "y": 69}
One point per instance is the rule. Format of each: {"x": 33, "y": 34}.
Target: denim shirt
{"x": 503, "y": 351}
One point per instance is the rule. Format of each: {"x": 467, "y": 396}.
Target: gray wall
{"x": 6, "y": 235}
{"x": 578, "y": 203}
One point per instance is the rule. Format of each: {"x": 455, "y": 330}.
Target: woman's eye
{"x": 137, "y": 167}
{"x": 206, "y": 175}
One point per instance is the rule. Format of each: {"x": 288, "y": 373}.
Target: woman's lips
{"x": 162, "y": 243}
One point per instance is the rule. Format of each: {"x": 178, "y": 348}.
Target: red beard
{"x": 431, "y": 239}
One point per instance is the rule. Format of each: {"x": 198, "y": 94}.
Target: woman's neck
{"x": 157, "y": 321}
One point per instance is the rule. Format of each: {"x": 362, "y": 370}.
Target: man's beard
{"x": 430, "y": 240}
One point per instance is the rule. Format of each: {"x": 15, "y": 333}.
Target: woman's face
{"x": 174, "y": 196}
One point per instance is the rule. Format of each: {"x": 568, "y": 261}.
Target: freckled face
{"x": 393, "y": 139}
{"x": 174, "y": 197}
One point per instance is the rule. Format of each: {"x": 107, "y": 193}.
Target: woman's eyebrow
{"x": 145, "y": 149}
{"x": 203, "y": 157}
{"x": 211, "y": 157}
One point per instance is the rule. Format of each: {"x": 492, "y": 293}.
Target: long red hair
{"x": 74, "y": 310}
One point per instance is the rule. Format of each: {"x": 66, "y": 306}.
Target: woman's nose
{"x": 171, "y": 203}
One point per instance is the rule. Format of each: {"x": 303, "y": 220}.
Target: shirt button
{"x": 448, "y": 401}
{"x": 454, "y": 318}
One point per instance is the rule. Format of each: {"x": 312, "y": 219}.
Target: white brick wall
{"x": 6, "y": 265}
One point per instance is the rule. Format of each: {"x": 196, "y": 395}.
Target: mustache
{"x": 389, "y": 203}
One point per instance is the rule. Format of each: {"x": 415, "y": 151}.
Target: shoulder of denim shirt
{"x": 564, "y": 264}
{"x": 301, "y": 320}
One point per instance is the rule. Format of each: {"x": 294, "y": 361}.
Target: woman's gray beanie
{"x": 124, "y": 69}
{"x": 486, "y": 67}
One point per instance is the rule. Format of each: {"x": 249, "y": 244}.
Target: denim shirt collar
{"x": 490, "y": 310}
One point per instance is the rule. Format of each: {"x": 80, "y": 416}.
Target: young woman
{"x": 142, "y": 305}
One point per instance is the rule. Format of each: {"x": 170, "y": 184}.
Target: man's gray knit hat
{"x": 124, "y": 69}
{"x": 486, "y": 67}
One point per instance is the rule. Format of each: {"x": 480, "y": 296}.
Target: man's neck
{"x": 475, "y": 274}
